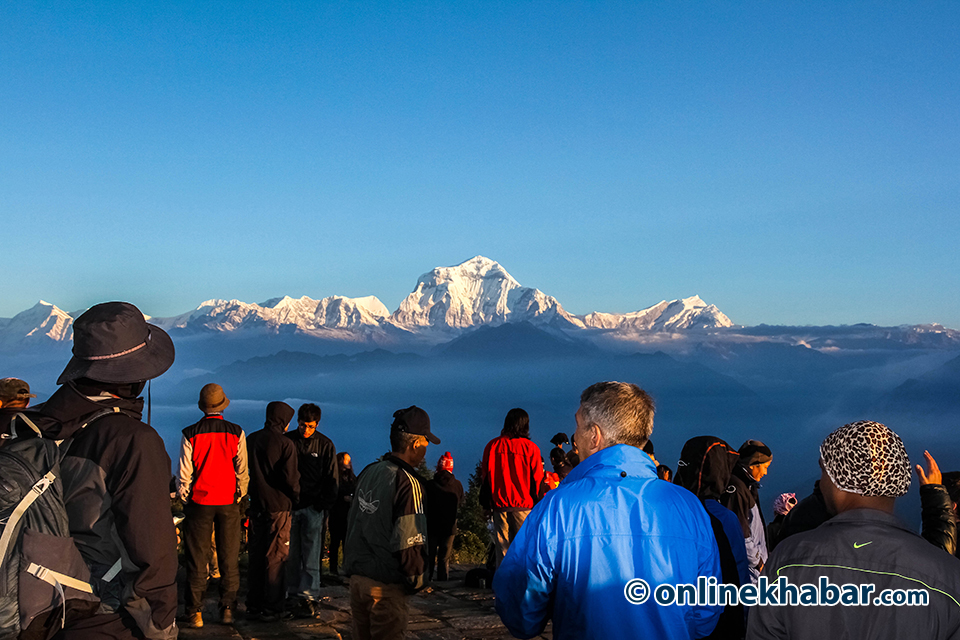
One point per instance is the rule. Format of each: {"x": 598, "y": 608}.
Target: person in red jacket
{"x": 512, "y": 472}
{"x": 213, "y": 477}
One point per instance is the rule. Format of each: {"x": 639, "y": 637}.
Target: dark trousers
{"x": 224, "y": 522}
{"x": 440, "y": 548}
{"x": 338, "y": 534}
{"x": 268, "y": 551}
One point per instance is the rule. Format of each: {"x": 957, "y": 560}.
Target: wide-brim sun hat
{"x": 113, "y": 342}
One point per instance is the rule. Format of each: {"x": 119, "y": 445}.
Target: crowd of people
{"x": 594, "y": 544}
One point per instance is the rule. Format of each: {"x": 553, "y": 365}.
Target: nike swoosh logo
{"x": 857, "y": 545}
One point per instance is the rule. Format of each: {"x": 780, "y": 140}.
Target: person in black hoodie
{"x": 338, "y": 514}
{"x": 274, "y": 489}
{"x": 116, "y": 473}
{"x": 444, "y": 495}
{"x": 704, "y": 468}
{"x": 317, "y": 463}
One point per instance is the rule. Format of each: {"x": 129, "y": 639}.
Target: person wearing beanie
{"x": 386, "y": 546}
{"x": 212, "y": 479}
{"x": 274, "y": 489}
{"x": 866, "y": 548}
{"x": 444, "y": 495}
{"x": 743, "y": 498}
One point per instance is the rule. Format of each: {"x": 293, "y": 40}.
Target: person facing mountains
{"x": 705, "y": 465}
{"x": 512, "y": 472}
{"x": 274, "y": 489}
{"x": 444, "y": 495}
{"x": 212, "y": 479}
{"x": 116, "y": 473}
{"x": 558, "y": 457}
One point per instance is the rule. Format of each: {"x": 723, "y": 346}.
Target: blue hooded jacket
{"x": 610, "y": 521}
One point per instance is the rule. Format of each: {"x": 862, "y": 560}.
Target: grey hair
{"x": 400, "y": 441}
{"x": 623, "y": 411}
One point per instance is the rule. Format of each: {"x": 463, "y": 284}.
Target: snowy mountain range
{"x": 445, "y": 302}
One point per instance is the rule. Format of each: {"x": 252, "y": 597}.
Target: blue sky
{"x": 792, "y": 163}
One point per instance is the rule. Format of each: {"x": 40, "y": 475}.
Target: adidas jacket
{"x": 387, "y": 526}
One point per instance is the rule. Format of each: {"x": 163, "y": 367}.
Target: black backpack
{"x": 44, "y": 580}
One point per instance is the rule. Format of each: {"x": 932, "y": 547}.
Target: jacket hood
{"x": 67, "y": 410}
{"x": 443, "y": 478}
{"x": 705, "y": 465}
{"x": 279, "y": 415}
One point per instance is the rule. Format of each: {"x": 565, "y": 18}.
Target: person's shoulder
{"x": 530, "y": 446}
{"x": 324, "y": 440}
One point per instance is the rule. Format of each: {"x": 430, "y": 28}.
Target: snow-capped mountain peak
{"x": 476, "y": 292}
{"x": 42, "y": 323}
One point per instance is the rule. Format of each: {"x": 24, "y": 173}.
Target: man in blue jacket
{"x": 594, "y": 549}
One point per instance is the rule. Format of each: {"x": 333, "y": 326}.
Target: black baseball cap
{"x": 414, "y": 420}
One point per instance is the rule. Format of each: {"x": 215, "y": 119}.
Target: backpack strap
{"x": 10, "y": 525}
{"x": 58, "y": 581}
{"x": 12, "y": 431}
{"x": 96, "y": 416}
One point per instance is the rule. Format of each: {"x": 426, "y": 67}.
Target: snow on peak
{"x": 688, "y": 313}
{"x": 41, "y": 323}
{"x": 303, "y": 314}
{"x": 476, "y": 292}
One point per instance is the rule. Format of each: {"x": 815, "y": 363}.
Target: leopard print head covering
{"x": 868, "y": 459}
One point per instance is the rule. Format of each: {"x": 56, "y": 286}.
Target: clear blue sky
{"x": 790, "y": 162}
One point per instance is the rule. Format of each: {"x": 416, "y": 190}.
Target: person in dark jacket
{"x": 809, "y": 514}
{"x": 116, "y": 473}
{"x": 558, "y": 457}
{"x": 782, "y": 506}
{"x": 865, "y": 548}
{"x": 212, "y": 479}
{"x": 340, "y": 509}
{"x": 386, "y": 553}
{"x": 274, "y": 489}
{"x": 317, "y": 463}
{"x": 938, "y": 507}
{"x": 444, "y": 495}
{"x": 705, "y": 465}
{"x": 743, "y": 499}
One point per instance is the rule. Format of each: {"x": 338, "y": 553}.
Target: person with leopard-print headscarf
{"x": 864, "y": 469}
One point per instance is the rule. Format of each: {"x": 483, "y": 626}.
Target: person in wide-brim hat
{"x": 112, "y": 342}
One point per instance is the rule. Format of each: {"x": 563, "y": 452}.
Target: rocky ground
{"x": 446, "y": 611}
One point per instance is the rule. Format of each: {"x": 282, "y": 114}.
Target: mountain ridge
{"x": 446, "y": 301}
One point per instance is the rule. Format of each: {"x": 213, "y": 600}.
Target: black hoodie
{"x": 444, "y": 495}
{"x": 705, "y": 467}
{"x": 274, "y": 479}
